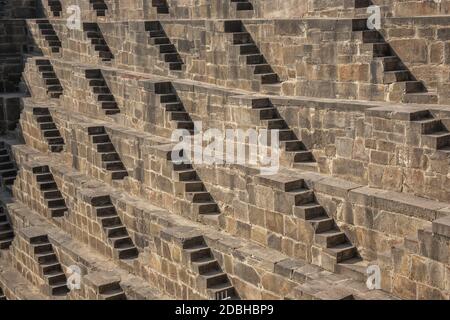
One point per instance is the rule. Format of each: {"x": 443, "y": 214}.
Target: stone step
{"x": 46, "y": 258}
{"x": 167, "y": 48}
{"x": 5, "y": 226}
{"x": 244, "y": 6}
{"x": 302, "y": 196}
{"x": 381, "y": 49}
{"x": 292, "y": 145}
{"x": 168, "y": 98}
{"x": 171, "y": 57}
{"x": 205, "y": 265}
{"x": 253, "y": 59}
{"x": 322, "y": 223}
{"x": 179, "y": 115}
{"x": 194, "y": 186}
{"x": 159, "y": 40}
{"x": 6, "y": 234}
{"x": 116, "y": 231}
{"x": 392, "y": 63}
{"x": 50, "y": 267}
{"x": 119, "y": 175}
{"x": 176, "y": 66}
{"x": 436, "y": 140}
{"x": 242, "y": 38}
{"x": 106, "y": 211}
{"x": 100, "y": 138}
{"x": 396, "y": 76}
{"x": 421, "y": 98}
{"x": 198, "y": 197}
{"x": 214, "y": 278}
{"x": 58, "y": 211}
{"x": 54, "y": 278}
{"x": 342, "y": 252}
{"x": 206, "y": 208}
{"x": 355, "y": 268}
{"x": 330, "y": 238}
{"x": 199, "y": 252}
{"x": 268, "y": 78}
{"x": 123, "y": 242}
{"x": 113, "y": 165}
{"x": 275, "y": 124}
{"x": 304, "y": 156}
{"x": 105, "y": 147}
{"x": 309, "y": 211}
{"x": 262, "y": 69}
{"x": 248, "y": 49}
{"x": 117, "y": 294}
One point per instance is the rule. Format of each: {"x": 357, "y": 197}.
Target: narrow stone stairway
{"x": 112, "y": 292}
{"x": 212, "y": 278}
{"x": 6, "y": 231}
{"x": 242, "y": 5}
{"x": 168, "y": 52}
{"x": 250, "y": 52}
{"x": 53, "y": 198}
{"x": 205, "y": 208}
{"x": 295, "y": 150}
{"x": 54, "y": 88}
{"x": 55, "y": 7}
{"x": 48, "y": 129}
{"x": 102, "y": 93}
{"x": 8, "y": 170}
{"x": 327, "y": 235}
{"x": 48, "y": 32}
{"x": 114, "y": 229}
{"x": 99, "y": 6}
{"x": 161, "y": 6}
{"x": 109, "y": 157}
{"x": 174, "y": 107}
{"x": 95, "y": 35}
{"x": 435, "y": 133}
{"x": 395, "y": 71}
{"x": 50, "y": 266}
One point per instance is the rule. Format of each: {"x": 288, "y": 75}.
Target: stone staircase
{"x": 204, "y": 207}
{"x": 174, "y": 108}
{"x": 242, "y": 5}
{"x": 8, "y": 171}
{"x": 53, "y": 198}
{"x": 48, "y": 129}
{"x": 162, "y": 7}
{"x": 295, "y": 150}
{"x": 55, "y": 7}
{"x": 211, "y": 277}
{"x": 395, "y": 73}
{"x": 99, "y": 6}
{"x": 48, "y": 32}
{"x": 110, "y": 159}
{"x": 250, "y": 53}
{"x": 105, "y": 286}
{"x": 49, "y": 265}
{"x": 101, "y": 91}
{"x": 113, "y": 228}
{"x": 6, "y": 231}
{"x": 167, "y": 51}
{"x": 51, "y": 81}
{"x": 327, "y": 235}
{"x": 95, "y": 35}
{"x": 435, "y": 132}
